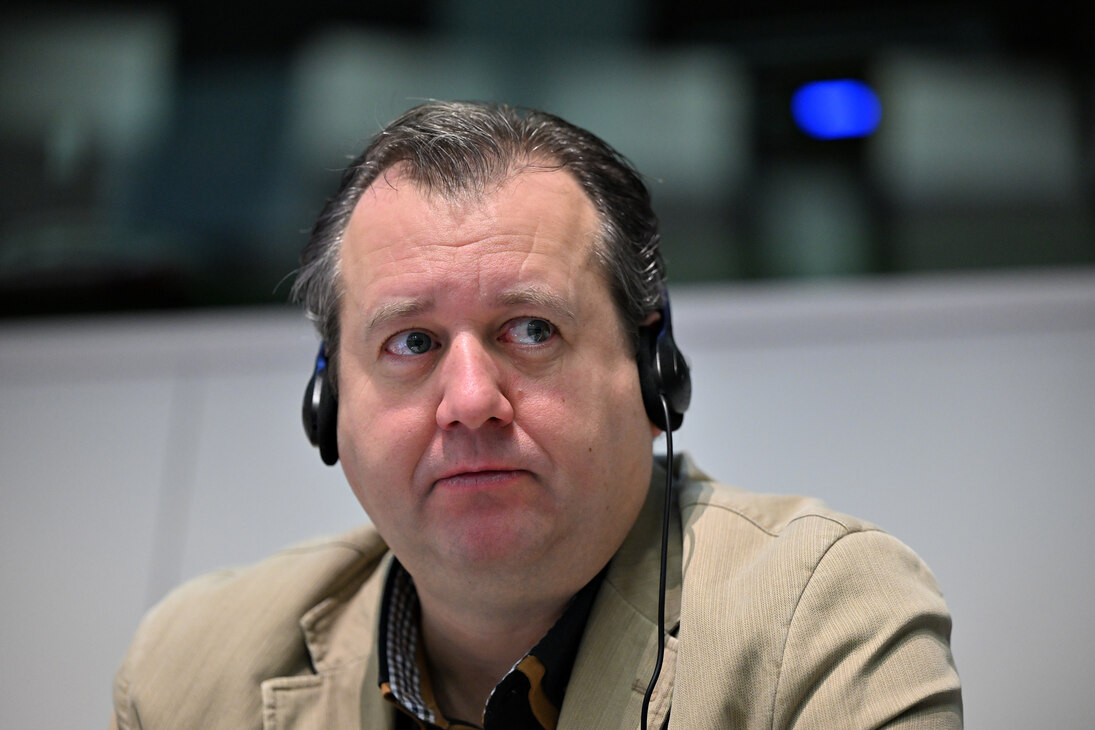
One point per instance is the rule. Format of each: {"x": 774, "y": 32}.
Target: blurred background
{"x": 174, "y": 154}
{"x": 879, "y": 229}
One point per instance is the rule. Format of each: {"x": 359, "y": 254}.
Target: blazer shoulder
{"x": 283, "y": 586}
{"x": 804, "y": 612}
{"x": 774, "y": 515}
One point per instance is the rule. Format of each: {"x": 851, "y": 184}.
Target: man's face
{"x": 490, "y": 420}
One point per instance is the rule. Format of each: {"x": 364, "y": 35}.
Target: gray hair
{"x": 460, "y": 149}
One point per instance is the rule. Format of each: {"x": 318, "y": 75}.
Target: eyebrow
{"x": 537, "y": 297}
{"x": 398, "y": 309}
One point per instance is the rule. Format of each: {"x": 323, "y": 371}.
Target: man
{"x": 496, "y": 365}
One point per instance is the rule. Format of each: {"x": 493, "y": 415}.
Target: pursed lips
{"x": 478, "y": 476}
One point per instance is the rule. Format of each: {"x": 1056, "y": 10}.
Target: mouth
{"x": 479, "y": 478}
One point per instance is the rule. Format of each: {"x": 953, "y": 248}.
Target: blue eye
{"x": 531, "y": 330}
{"x": 410, "y": 343}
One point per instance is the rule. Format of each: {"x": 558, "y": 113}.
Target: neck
{"x": 470, "y": 650}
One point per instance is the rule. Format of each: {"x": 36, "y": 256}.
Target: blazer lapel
{"x": 621, "y": 642}
{"x": 343, "y": 691}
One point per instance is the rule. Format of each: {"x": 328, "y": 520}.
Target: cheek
{"x": 599, "y": 439}
{"x": 379, "y": 446}
{"x": 588, "y": 417}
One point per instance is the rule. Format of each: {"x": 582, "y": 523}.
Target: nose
{"x": 472, "y": 394}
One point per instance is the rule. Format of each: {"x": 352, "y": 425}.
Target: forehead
{"x": 535, "y": 223}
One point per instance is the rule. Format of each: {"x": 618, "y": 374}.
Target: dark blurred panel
{"x": 210, "y": 29}
{"x": 84, "y": 96}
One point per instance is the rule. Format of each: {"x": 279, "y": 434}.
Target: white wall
{"x": 958, "y": 413}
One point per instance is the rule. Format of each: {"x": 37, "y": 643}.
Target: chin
{"x": 497, "y": 542}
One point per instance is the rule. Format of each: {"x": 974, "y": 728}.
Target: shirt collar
{"x": 530, "y": 695}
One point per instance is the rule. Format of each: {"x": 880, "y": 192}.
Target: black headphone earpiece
{"x": 663, "y": 371}
{"x": 320, "y": 410}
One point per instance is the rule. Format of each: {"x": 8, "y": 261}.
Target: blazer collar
{"x": 621, "y": 641}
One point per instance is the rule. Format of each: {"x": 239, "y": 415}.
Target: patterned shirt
{"x": 528, "y": 697}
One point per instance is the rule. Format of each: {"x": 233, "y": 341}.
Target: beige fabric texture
{"x": 782, "y": 614}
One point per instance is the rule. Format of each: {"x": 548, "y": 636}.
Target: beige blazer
{"x": 782, "y": 613}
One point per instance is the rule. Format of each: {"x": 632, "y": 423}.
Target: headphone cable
{"x": 664, "y": 560}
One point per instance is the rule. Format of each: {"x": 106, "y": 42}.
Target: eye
{"x": 413, "y": 342}
{"x": 530, "y": 330}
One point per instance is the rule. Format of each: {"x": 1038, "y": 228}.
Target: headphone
{"x": 320, "y": 410}
{"x": 663, "y": 374}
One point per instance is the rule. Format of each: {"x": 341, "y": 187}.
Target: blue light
{"x": 836, "y": 109}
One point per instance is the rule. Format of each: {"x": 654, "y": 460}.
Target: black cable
{"x": 664, "y": 560}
